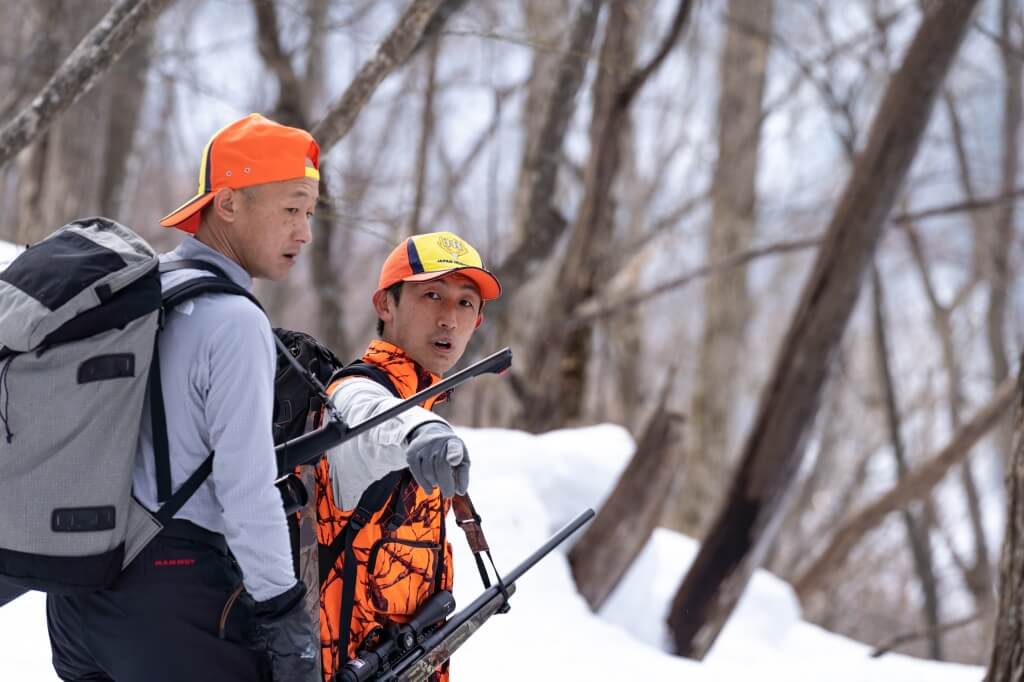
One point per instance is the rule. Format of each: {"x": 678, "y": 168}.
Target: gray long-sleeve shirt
{"x": 357, "y": 463}
{"x": 217, "y": 365}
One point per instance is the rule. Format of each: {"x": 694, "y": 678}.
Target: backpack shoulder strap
{"x": 372, "y": 372}
{"x": 371, "y": 502}
{"x": 217, "y": 283}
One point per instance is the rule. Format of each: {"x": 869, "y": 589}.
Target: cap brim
{"x": 487, "y": 283}
{"x": 186, "y": 216}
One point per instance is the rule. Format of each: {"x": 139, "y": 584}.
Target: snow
{"x": 8, "y": 251}
{"x": 525, "y": 488}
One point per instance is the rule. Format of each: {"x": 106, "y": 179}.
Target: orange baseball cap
{"x": 436, "y": 254}
{"x": 251, "y": 151}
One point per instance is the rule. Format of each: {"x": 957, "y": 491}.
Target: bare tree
{"x": 627, "y": 518}
{"x": 544, "y": 18}
{"x": 1007, "y": 662}
{"x": 392, "y": 53}
{"x": 917, "y": 531}
{"x": 543, "y": 225}
{"x": 914, "y": 486}
{"x": 77, "y": 75}
{"x": 65, "y": 174}
{"x": 126, "y": 92}
{"x": 559, "y": 355}
{"x": 426, "y": 133}
{"x": 746, "y": 525}
{"x": 1003, "y": 234}
{"x": 727, "y": 307}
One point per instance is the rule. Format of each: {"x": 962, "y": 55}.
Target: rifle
{"x": 307, "y": 448}
{"x": 413, "y": 651}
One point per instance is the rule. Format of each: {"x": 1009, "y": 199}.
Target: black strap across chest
{"x": 218, "y": 283}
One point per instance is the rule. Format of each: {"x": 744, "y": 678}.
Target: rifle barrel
{"x": 307, "y": 448}
{"x": 442, "y": 643}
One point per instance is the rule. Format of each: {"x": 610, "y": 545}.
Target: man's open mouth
{"x": 443, "y": 345}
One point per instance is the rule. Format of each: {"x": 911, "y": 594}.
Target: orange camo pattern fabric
{"x": 397, "y": 570}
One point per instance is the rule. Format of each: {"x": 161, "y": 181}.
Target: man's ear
{"x": 225, "y": 204}
{"x": 383, "y": 305}
{"x": 479, "y": 321}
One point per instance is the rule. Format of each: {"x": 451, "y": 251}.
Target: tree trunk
{"x": 542, "y": 224}
{"x": 1007, "y": 663}
{"x": 744, "y": 64}
{"x": 544, "y": 20}
{"x": 560, "y": 354}
{"x": 426, "y": 133}
{"x": 748, "y": 521}
{"x": 917, "y": 528}
{"x": 978, "y": 574}
{"x": 560, "y": 399}
{"x": 127, "y": 94}
{"x": 624, "y": 523}
{"x": 999, "y": 274}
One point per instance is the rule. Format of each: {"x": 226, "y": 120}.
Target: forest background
{"x": 777, "y": 240}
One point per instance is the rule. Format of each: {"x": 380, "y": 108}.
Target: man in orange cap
{"x": 382, "y": 497}
{"x": 214, "y": 595}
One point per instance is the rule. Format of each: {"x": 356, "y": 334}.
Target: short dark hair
{"x": 395, "y": 290}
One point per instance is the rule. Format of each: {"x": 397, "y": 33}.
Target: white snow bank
{"x": 526, "y": 487}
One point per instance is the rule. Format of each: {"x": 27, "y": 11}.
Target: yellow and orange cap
{"x": 428, "y": 256}
{"x": 250, "y": 151}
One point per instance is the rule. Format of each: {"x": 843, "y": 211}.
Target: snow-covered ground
{"x": 8, "y": 251}
{"x": 526, "y": 487}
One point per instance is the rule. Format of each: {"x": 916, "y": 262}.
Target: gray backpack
{"x": 79, "y": 315}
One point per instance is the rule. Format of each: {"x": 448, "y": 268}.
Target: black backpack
{"x": 297, "y": 405}
{"x": 297, "y": 408}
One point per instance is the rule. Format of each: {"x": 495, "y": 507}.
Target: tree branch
{"x": 79, "y": 72}
{"x": 906, "y": 637}
{"x": 958, "y": 207}
{"x": 394, "y": 51}
{"x": 914, "y": 486}
{"x": 640, "y": 76}
{"x": 596, "y": 308}
{"x": 290, "y": 95}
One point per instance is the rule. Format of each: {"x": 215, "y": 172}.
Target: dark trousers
{"x": 170, "y": 617}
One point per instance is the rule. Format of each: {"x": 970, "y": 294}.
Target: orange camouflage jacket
{"x": 401, "y": 554}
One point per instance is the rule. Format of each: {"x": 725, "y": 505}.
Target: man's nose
{"x": 305, "y": 233}
{"x": 447, "y": 319}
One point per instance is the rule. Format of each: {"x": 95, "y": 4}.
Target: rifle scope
{"x": 402, "y": 639}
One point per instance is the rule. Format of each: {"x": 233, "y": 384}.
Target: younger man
{"x": 382, "y": 497}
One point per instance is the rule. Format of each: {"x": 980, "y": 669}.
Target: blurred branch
{"x": 543, "y": 222}
{"x": 918, "y": 483}
{"x": 392, "y": 52}
{"x": 457, "y": 175}
{"x": 599, "y": 307}
{"x": 917, "y": 527}
{"x": 426, "y": 134}
{"x": 79, "y": 72}
{"x": 908, "y": 637}
{"x": 1001, "y": 42}
{"x": 290, "y": 90}
{"x": 437, "y": 22}
{"x": 958, "y": 207}
{"x": 640, "y": 76}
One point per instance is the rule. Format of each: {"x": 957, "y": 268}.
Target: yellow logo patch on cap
{"x": 454, "y": 247}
